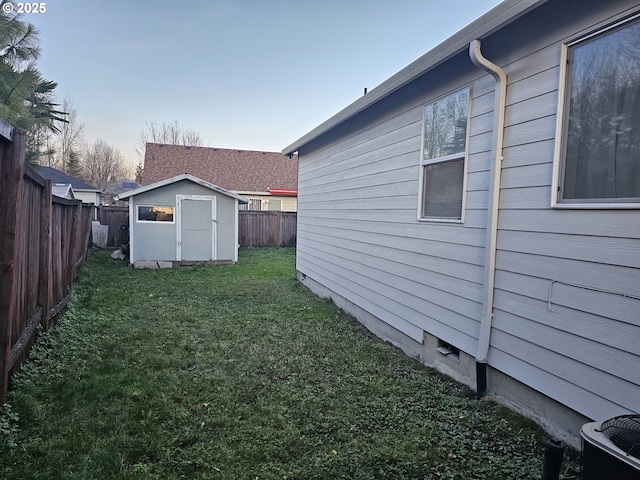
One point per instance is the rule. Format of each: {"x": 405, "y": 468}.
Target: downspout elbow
{"x": 486, "y": 320}
{"x": 482, "y": 63}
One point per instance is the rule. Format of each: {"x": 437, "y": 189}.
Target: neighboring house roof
{"x": 178, "y": 178}
{"x": 497, "y": 18}
{"x": 237, "y": 170}
{"x": 121, "y": 186}
{"x": 59, "y": 177}
{"x": 64, "y": 190}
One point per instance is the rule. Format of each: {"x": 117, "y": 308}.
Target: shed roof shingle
{"x": 236, "y": 170}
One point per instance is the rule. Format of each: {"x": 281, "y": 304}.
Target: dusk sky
{"x": 245, "y": 74}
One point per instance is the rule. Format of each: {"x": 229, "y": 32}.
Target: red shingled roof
{"x": 236, "y": 170}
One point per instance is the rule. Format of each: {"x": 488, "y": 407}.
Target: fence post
{"x": 74, "y": 248}
{"x": 44, "y": 275}
{"x": 279, "y": 229}
{"x": 11, "y": 181}
{"x": 87, "y": 221}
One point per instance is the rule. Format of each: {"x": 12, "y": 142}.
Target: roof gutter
{"x": 283, "y": 192}
{"x": 486, "y": 320}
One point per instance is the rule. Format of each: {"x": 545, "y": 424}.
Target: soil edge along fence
{"x": 43, "y": 241}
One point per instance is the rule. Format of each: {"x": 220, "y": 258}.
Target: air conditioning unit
{"x": 611, "y": 449}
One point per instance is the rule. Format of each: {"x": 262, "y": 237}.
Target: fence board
{"x": 44, "y": 275}
{"x": 11, "y": 173}
{"x": 43, "y": 241}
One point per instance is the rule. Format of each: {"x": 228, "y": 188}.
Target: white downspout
{"x": 492, "y": 210}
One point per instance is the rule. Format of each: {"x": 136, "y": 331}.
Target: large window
{"x": 149, "y": 213}
{"x": 600, "y": 130}
{"x": 442, "y": 163}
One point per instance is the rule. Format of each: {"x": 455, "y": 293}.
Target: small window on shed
{"x": 151, "y": 213}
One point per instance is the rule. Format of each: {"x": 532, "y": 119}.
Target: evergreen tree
{"x": 26, "y": 98}
{"x": 139, "y": 170}
{"x": 73, "y": 166}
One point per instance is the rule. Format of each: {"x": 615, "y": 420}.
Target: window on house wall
{"x": 600, "y": 130}
{"x": 444, "y": 146}
{"x": 254, "y": 204}
{"x": 274, "y": 204}
{"x": 150, "y": 213}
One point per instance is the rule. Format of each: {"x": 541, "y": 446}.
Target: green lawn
{"x": 239, "y": 372}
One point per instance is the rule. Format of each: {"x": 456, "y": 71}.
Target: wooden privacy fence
{"x": 43, "y": 241}
{"x": 255, "y": 229}
{"x": 115, "y": 216}
{"x": 267, "y": 228}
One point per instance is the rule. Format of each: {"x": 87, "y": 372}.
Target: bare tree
{"x": 102, "y": 163}
{"x": 166, "y": 133}
{"x": 71, "y": 137}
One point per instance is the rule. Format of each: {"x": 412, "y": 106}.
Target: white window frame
{"x": 457, "y": 156}
{"x": 562, "y": 132}
{"x": 137, "y": 208}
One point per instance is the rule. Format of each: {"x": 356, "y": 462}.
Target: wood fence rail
{"x": 43, "y": 242}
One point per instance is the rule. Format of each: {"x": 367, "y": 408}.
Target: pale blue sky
{"x": 245, "y": 74}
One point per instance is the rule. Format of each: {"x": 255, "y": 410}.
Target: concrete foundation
{"x": 153, "y": 264}
{"x": 555, "y": 418}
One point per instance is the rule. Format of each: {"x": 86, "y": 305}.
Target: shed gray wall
{"x": 157, "y": 241}
{"x": 227, "y": 221}
{"x": 358, "y": 235}
{"x": 154, "y": 241}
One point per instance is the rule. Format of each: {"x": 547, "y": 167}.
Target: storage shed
{"x": 481, "y": 209}
{"x": 182, "y": 220}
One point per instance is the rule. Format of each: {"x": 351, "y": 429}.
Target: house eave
{"x": 492, "y": 21}
{"x": 88, "y": 190}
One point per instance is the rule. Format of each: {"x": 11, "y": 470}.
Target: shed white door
{"x": 196, "y": 228}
